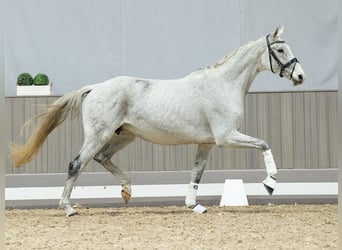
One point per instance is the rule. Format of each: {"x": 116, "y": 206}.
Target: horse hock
{"x": 270, "y": 181}
{"x": 74, "y": 167}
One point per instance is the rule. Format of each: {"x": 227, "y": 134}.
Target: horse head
{"x": 279, "y": 58}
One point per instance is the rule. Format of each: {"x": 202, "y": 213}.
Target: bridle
{"x": 281, "y": 65}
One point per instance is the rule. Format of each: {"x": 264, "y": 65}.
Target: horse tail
{"x": 56, "y": 113}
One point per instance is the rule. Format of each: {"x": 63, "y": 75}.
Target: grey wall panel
{"x": 301, "y": 129}
{"x": 298, "y": 119}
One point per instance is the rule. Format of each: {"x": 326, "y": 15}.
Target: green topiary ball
{"x": 41, "y": 79}
{"x": 24, "y": 79}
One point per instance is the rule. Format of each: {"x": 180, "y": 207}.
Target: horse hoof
{"x": 69, "y": 211}
{"x": 269, "y": 184}
{"x": 125, "y": 195}
{"x": 199, "y": 209}
{"x": 72, "y": 214}
{"x": 269, "y": 189}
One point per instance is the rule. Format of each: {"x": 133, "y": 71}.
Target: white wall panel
{"x": 75, "y": 42}
{"x": 82, "y": 42}
{"x": 311, "y": 32}
{"x": 169, "y": 39}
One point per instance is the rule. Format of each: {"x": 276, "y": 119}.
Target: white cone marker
{"x": 234, "y": 193}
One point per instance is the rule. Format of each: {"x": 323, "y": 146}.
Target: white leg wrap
{"x": 269, "y": 163}
{"x": 190, "y": 199}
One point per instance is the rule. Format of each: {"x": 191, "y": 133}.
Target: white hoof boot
{"x": 269, "y": 184}
{"x": 199, "y": 209}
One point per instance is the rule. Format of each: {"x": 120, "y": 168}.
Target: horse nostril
{"x": 300, "y": 77}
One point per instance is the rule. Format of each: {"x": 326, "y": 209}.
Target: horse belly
{"x": 170, "y": 136}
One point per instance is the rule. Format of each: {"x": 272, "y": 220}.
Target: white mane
{"x": 232, "y": 54}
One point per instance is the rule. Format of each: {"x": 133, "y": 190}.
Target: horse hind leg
{"x": 98, "y": 131}
{"x": 125, "y": 182}
{"x": 104, "y": 156}
{"x": 89, "y": 149}
{"x": 73, "y": 173}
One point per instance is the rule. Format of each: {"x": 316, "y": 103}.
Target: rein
{"x": 282, "y": 66}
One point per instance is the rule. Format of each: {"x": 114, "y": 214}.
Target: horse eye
{"x": 280, "y": 50}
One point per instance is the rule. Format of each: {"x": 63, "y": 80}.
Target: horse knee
{"x": 264, "y": 146}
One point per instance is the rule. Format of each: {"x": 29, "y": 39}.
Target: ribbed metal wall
{"x": 301, "y": 129}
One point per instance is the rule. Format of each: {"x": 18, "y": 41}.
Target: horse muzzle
{"x": 298, "y": 75}
{"x": 297, "y": 81}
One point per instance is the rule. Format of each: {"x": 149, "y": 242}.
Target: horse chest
{"x": 228, "y": 109}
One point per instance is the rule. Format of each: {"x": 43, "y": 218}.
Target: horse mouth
{"x": 298, "y": 79}
{"x": 297, "y": 82}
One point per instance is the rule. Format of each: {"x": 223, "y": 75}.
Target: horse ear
{"x": 278, "y": 32}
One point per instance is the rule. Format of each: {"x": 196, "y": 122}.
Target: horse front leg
{"x": 196, "y": 174}
{"x": 270, "y": 181}
{"x": 237, "y": 139}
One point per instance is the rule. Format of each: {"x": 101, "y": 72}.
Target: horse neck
{"x": 242, "y": 67}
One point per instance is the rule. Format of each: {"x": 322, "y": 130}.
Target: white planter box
{"x": 34, "y": 90}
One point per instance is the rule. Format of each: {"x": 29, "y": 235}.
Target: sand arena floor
{"x": 252, "y": 227}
